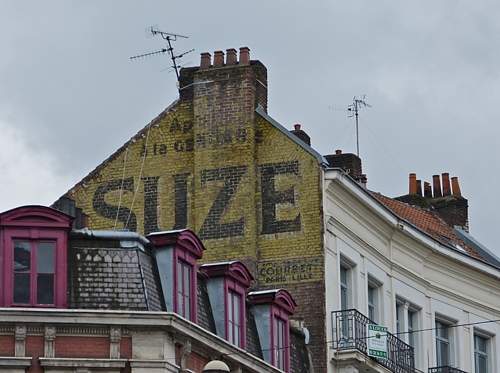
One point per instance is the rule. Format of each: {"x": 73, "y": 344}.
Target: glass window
{"x": 399, "y": 319}
{"x": 480, "y": 354}
{"x": 412, "y": 325}
{"x": 34, "y": 284}
{"x": 22, "y": 272}
{"x": 372, "y": 303}
{"x": 184, "y": 277}
{"x": 234, "y": 332}
{"x": 344, "y": 288}
{"x": 442, "y": 344}
{"x": 280, "y": 348}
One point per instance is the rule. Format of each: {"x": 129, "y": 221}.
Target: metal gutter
{"x": 110, "y": 235}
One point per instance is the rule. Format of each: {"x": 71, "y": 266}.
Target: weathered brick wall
{"x": 212, "y": 164}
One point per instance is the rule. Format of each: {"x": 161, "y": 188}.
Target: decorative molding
{"x": 20, "y": 338}
{"x": 82, "y": 363}
{"x": 185, "y": 352}
{"x": 50, "y": 336}
{"x": 115, "y": 337}
{"x": 15, "y": 362}
{"x": 35, "y": 330}
{"x": 7, "y": 329}
{"x": 83, "y": 330}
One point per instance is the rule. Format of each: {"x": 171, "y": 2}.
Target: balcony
{"x": 445, "y": 369}
{"x": 350, "y": 332}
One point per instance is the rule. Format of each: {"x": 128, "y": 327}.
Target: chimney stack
{"x": 443, "y": 198}
{"x": 446, "y": 184}
{"x": 456, "y": 187}
{"x": 297, "y": 131}
{"x": 206, "y": 60}
{"x": 436, "y": 181}
{"x": 348, "y": 162}
{"x": 231, "y": 56}
{"x": 244, "y": 56}
{"x": 218, "y": 58}
{"x": 413, "y": 184}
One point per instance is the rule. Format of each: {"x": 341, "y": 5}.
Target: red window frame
{"x": 232, "y": 288}
{"x": 33, "y": 224}
{"x": 182, "y": 260}
{"x": 33, "y": 273}
{"x": 280, "y": 342}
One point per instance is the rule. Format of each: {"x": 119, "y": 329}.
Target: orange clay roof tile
{"x": 427, "y": 221}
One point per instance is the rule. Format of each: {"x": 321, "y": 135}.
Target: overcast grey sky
{"x": 69, "y": 96}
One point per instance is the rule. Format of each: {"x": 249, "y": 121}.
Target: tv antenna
{"x": 353, "y": 109}
{"x": 169, "y": 38}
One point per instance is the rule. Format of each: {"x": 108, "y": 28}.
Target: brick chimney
{"x": 226, "y": 76}
{"x": 443, "y": 198}
{"x": 301, "y": 134}
{"x": 349, "y": 162}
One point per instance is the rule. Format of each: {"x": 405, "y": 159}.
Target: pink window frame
{"x": 60, "y": 266}
{"x": 188, "y": 259}
{"x": 278, "y": 313}
{"x": 232, "y": 286}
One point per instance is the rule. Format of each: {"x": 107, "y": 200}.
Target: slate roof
{"x": 429, "y": 222}
{"x": 105, "y": 274}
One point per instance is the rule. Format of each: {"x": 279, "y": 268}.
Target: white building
{"x": 382, "y": 262}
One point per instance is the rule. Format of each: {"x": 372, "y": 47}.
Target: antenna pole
{"x": 170, "y": 50}
{"x": 357, "y": 127}
{"x": 354, "y": 108}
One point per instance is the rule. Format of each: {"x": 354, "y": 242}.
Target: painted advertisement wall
{"x": 211, "y": 163}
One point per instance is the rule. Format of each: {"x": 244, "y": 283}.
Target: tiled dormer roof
{"x": 427, "y": 221}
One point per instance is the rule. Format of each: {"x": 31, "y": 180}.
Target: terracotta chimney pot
{"x": 413, "y": 184}
{"x": 218, "y": 58}
{"x": 231, "y": 56}
{"x": 244, "y": 56}
{"x": 446, "y": 184}
{"x": 206, "y": 60}
{"x": 456, "y": 187}
{"x": 427, "y": 190}
{"x": 436, "y": 181}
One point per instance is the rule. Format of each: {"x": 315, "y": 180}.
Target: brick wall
{"x": 212, "y": 164}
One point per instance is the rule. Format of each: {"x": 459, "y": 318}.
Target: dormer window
{"x": 176, "y": 253}
{"x": 272, "y": 309}
{"x": 227, "y": 286}
{"x": 34, "y": 250}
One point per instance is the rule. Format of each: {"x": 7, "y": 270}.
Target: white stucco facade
{"x": 413, "y": 279}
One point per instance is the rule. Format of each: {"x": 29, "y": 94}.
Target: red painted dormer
{"x": 176, "y": 254}
{"x": 33, "y": 257}
{"x": 272, "y": 310}
{"x": 227, "y": 287}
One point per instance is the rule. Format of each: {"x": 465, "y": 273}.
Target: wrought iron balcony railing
{"x": 445, "y": 369}
{"x": 350, "y": 331}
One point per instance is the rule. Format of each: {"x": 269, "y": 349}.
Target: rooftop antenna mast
{"x": 169, "y": 38}
{"x": 353, "y": 109}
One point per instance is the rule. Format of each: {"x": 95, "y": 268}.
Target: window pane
{"x": 45, "y": 288}
{"x": 21, "y": 287}
{"x": 180, "y": 298}
{"x": 45, "y": 257}
{"x": 22, "y": 256}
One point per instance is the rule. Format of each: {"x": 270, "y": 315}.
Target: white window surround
{"x": 445, "y": 342}
{"x": 483, "y": 350}
{"x": 408, "y": 317}
{"x": 374, "y": 300}
{"x": 346, "y": 284}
